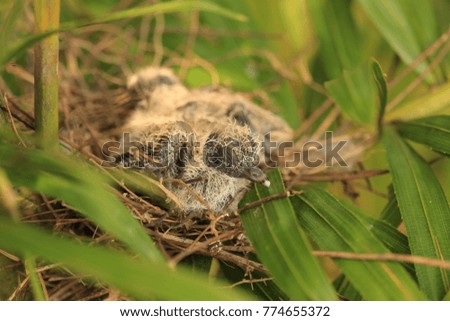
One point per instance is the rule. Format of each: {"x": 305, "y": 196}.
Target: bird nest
{"x": 96, "y": 107}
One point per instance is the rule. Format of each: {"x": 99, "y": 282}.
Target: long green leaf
{"x": 79, "y": 186}
{"x": 394, "y": 240}
{"x": 431, "y": 131}
{"x": 408, "y": 28}
{"x": 335, "y": 227}
{"x": 434, "y": 102}
{"x": 355, "y": 93}
{"x": 142, "y": 279}
{"x": 424, "y": 210}
{"x": 282, "y": 246}
{"x": 340, "y": 47}
{"x": 169, "y": 7}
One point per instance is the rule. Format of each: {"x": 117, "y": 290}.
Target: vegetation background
{"x": 377, "y": 69}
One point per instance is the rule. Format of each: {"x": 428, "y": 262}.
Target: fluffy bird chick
{"x": 234, "y": 151}
{"x": 159, "y": 92}
{"x": 164, "y": 149}
{"x": 206, "y": 143}
{"x": 220, "y": 105}
{"x": 215, "y": 168}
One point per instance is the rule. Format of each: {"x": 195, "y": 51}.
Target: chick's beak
{"x": 266, "y": 183}
{"x": 256, "y": 175}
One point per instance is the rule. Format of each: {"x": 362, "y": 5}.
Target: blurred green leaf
{"x": 424, "y": 210}
{"x": 408, "y": 28}
{"x": 168, "y": 7}
{"x": 339, "y": 42}
{"x": 432, "y": 131}
{"x": 335, "y": 227}
{"x": 434, "y": 102}
{"x": 281, "y": 244}
{"x": 142, "y": 279}
{"x": 355, "y": 93}
{"x": 78, "y": 185}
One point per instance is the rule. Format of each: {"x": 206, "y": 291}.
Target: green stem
{"x": 46, "y": 73}
{"x": 36, "y": 286}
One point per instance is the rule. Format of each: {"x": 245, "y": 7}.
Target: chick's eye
{"x": 254, "y": 173}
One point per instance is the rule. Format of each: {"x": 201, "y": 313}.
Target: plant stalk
{"x": 46, "y": 73}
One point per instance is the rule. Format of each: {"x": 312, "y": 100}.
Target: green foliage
{"x": 355, "y": 92}
{"x": 77, "y": 185}
{"x": 142, "y": 279}
{"x": 432, "y": 131}
{"x": 424, "y": 210}
{"x": 335, "y": 227}
{"x": 293, "y": 56}
{"x": 282, "y": 245}
{"x": 380, "y": 80}
{"x": 409, "y": 29}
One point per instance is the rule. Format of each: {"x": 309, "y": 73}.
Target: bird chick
{"x": 159, "y": 92}
{"x": 215, "y": 162}
{"x": 233, "y": 150}
{"x": 165, "y": 149}
{"x": 206, "y": 143}
{"x": 224, "y": 106}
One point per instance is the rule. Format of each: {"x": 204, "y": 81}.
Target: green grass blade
{"x": 431, "y": 131}
{"x": 424, "y": 210}
{"x": 335, "y": 227}
{"x": 142, "y": 279}
{"x": 167, "y": 7}
{"x": 36, "y": 286}
{"x": 81, "y": 187}
{"x": 282, "y": 246}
